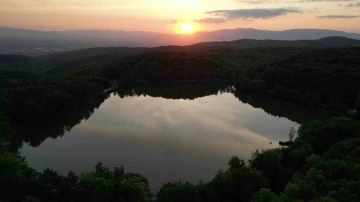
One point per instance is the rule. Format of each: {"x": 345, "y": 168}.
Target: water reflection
{"x": 56, "y": 127}
{"x": 279, "y": 108}
{"x": 179, "y": 132}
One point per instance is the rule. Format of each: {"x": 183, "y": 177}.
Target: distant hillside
{"x": 237, "y": 44}
{"x": 334, "y": 41}
{"x": 8, "y": 62}
{"x": 34, "y": 43}
{"x": 54, "y": 64}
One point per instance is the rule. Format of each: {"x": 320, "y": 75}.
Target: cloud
{"x": 173, "y": 21}
{"x": 338, "y": 16}
{"x": 222, "y": 16}
{"x": 289, "y": 1}
{"x": 202, "y": 21}
{"x": 211, "y": 20}
{"x": 256, "y": 13}
{"x": 353, "y": 5}
{"x": 256, "y": 1}
{"x": 301, "y": 1}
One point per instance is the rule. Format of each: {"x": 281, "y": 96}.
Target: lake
{"x": 181, "y": 132}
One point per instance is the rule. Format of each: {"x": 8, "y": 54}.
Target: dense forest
{"x": 321, "y": 164}
{"x": 326, "y": 79}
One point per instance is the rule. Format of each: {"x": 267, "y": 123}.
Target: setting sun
{"x": 188, "y": 28}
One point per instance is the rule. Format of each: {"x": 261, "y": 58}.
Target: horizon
{"x": 180, "y": 16}
{"x": 195, "y": 32}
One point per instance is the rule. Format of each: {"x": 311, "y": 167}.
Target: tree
{"x": 239, "y": 182}
{"x": 265, "y": 195}
{"x": 72, "y": 178}
{"x": 30, "y": 199}
{"x": 4, "y": 127}
{"x": 269, "y": 164}
{"x": 178, "y": 192}
{"x": 236, "y": 164}
{"x": 107, "y": 185}
{"x": 207, "y": 192}
{"x": 94, "y": 187}
{"x": 292, "y": 134}
{"x": 357, "y": 104}
{"x": 324, "y": 199}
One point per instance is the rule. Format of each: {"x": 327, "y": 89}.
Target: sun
{"x": 187, "y": 28}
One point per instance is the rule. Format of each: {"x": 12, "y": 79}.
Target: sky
{"x": 167, "y": 16}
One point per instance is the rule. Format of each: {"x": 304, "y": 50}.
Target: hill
{"x": 205, "y": 46}
{"x": 333, "y": 41}
{"x": 34, "y": 43}
{"x": 10, "y": 62}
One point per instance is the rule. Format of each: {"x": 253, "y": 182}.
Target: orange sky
{"x": 168, "y": 15}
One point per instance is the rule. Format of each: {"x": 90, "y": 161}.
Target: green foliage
{"x": 106, "y": 185}
{"x": 343, "y": 195}
{"x": 265, "y": 195}
{"x": 348, "y": 150}
{"x": 303, "y": 75}
{"x": 4, "y": 128}
{"x": 291, "y": 193}
{"x": 14, "y": 168}
{"x": 357, "y": 104}
{"x": 321, "y": 136}
{"x": 269, "y": 163}
{"x": 207, "y": 192}
{"x": 324, "y": 199}
{"x": 97, "y": 187}
{"x": 236, "y": 164}
{"x": 178, "y": 192}
{"x": 30, "y": 199}
{"x": 329, "y": 176}
{"x": 334, "y": 178}
{"x": 239, "y": 182}
{"x": 5, "y": 105}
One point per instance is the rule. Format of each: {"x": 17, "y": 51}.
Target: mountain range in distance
{"x": 48, "y": 62}
{"x": 35, "y": 43}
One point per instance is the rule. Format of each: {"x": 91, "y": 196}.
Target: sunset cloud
{"x": 256, "y": 13}
{"x": 256, "y": 1}
{"x": 324, "y": 1}
{"x": 353, "y": 5}
{"x": 211, "y": 20}
{"x": 165, "y": 16}
{"x": 338, "y": 16}
{"x": 290, "y": 1}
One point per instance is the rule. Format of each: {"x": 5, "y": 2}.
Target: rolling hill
{"x": 327, "y": 42}
{"x": 34, "y": 43}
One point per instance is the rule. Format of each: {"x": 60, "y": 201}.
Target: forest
{"x": 321, "y": 164}
{"x": 320, "y": 79}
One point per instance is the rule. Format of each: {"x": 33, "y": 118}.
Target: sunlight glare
{"x": 188, "y": 28}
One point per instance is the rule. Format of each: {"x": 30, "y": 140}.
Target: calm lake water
{"x": 162, "y": 134}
